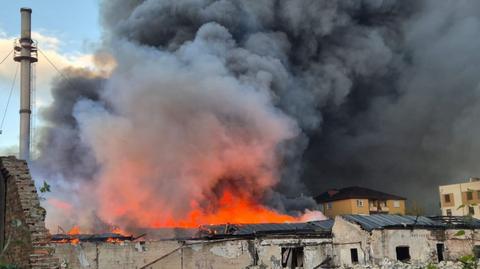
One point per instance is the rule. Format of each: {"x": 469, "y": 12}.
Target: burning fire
{"x": 74, "y": 236}
{"x": 74, "y": 231}
{"x": 231, "y": 209}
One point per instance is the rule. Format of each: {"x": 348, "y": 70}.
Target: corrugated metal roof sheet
{"x": 460, "y": 222}
{"x": 381, "y": 221}
{"x": 314, "y": 227}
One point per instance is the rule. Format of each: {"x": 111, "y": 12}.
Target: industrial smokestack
{"x": 24, "y": 48}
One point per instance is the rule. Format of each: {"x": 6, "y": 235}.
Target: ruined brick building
{"x": 22, "y": 231}
{"x": 343, "y": 241}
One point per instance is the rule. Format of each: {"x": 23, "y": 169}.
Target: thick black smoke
{"x": 421, "y": 132}
{"x": 315, "y": 52}
{"x": 62, "y": 151}
{"x": 385, "y": 92}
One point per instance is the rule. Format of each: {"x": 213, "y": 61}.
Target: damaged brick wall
{"x": 24, "y": 219}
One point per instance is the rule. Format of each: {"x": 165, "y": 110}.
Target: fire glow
{"x": 186, "y": 146}
{"x": 74, "y": 237}
{"x": 231, "y": 209}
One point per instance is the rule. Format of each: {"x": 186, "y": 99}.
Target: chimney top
{"x": 26, "y": 9}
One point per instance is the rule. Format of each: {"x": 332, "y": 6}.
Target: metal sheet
{"x": 381, "y": 221}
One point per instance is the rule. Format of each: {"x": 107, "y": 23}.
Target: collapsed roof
{"x": 321, "y": 228}
{"x": 384, "y": 221}
{"x": 317, "y": 229}
{"x": 59, "y": 238}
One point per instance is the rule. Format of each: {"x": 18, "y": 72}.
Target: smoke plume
{"x": 268, "y": 101}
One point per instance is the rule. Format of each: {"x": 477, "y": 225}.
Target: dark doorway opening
{"x": 354, "y": 255}
{"x": 403, "y": 253}
{"x": 440, "y": 249}
{"x": 292, "y": 257}
{"x": 476, "y": 251}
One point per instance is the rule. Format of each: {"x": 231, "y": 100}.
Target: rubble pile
{"x": 388, "y": 264}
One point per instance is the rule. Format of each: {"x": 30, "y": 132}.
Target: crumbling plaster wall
{"x": 421, "y": 242}
{"x": 347, "y": 235}
{"x": 379, "y": 244}
{"x": 25, "y": 234}
{"x": 457, "y": 246}
{"x": 315, "y": 251}
{"x": 122, "y": 256}
{"x": 225, "y": 254}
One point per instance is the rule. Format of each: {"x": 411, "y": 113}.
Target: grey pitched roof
{"x": 382, "y": 221}
{"x": 323, "y": 227}
{"x": 355, "y": 193}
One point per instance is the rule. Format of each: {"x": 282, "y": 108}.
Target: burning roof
{"x": 315, "y": 228}
{"x": 76, "y": 238}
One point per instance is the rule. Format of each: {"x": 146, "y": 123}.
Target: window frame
{"x": 446, "y": 198}
{"x": 360, "y": 203}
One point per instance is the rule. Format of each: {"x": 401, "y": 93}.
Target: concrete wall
{"x": 347, "y": 236}
{"x": 396, "y": 210}
{"x": 122, "y": 256}
{"x": 350, "y": 206}
{"x": 422, "y": 244}
{"x": 338, "y": 208}
{"x": 365, "y": 209}
{"x": 458, "y": 246}
{"x": 225, "y": 254}
{"x": 376, "y": 245}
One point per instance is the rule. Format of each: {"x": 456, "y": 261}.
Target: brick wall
{"x": 24, "y": 229}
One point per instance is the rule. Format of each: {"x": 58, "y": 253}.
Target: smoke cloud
{"x": 273, "y": 100}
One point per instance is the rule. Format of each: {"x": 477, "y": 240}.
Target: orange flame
{"x": 229, "y": 208}
{"x": 117, "y": 230}
{"x": 75, "y": 230}
{"x": 234, "y": 209}
{"x": 113, "y": 240}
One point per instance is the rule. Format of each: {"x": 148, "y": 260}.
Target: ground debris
{"x": 388, "y": 264}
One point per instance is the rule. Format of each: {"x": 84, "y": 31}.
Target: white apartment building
{"x": 461, "y": 199}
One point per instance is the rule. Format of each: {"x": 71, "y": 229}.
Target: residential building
{"x": 357, "y": 200}
{"x": 461, "y": 199}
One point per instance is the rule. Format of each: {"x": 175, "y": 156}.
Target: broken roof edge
{"x": 265, "y": 235}
{"x": 385, "y": 221}
{"x": 317, "y": 229}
